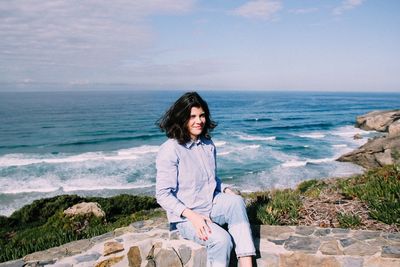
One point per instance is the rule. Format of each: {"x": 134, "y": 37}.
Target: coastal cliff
{"x": 378, "y": 151}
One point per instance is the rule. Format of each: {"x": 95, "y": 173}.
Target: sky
{"x": 307, "y": 45}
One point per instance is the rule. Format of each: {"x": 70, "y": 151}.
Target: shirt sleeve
{"x": 167, "y": 179}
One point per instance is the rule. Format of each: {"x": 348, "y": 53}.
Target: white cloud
{"x": 346, "y": 5}
{"x": 259, "y": 9}
{"x": 57, "y": 40}
{"x": 304, "y": 10}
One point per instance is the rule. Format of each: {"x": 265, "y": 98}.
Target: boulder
{"x": 377, "y": 120}
{"x": 375, "y": 153}
{"x": 85, "y": 208}
{"x": 394, "y": 129}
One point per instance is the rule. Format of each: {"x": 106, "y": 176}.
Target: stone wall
{"x": 150, "y": 243}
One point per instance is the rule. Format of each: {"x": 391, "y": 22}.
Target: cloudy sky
{"x": 324, "y": 45}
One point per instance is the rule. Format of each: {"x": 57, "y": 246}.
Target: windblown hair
{"x": 174, "y": 121}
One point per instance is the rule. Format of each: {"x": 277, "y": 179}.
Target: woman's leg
{"x": 219, "y": 244}
{"x": 231, "y": 209}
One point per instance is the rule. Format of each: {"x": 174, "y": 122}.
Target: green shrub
{"x": 42, "y": 224}
{"x": 280, "y": 208}
{"x": 311, "y": 188}
{"x": 380, "y": 189}
{"x": 348, "y": 220}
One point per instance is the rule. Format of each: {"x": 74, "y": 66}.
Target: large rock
{"x": 377, "y": 120}
{"x": 375, "y": 153}
{"x": 85, "y": 208}
{"x": 380, "y": 151}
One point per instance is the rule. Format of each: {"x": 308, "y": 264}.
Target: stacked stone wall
{"x": 150, "y": 243}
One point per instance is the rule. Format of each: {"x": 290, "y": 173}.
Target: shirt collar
{"x": 191, "y": 143}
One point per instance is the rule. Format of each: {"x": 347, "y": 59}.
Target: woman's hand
{"x": 200, "y": 223}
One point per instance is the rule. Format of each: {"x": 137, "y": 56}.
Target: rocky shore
{"x": 379, "y": 151}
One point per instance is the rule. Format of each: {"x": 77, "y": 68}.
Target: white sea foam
{"x": 123, "y": 154}
{"x": 237, "y": 148}
{"x": 339, "y": 145}
{"x": 294, "y": 163}
{"x": 219, "y": 143}
{"x": 248, "y": 137}
{"x": 317, "y": 135}
{"x": 299, "y": 163}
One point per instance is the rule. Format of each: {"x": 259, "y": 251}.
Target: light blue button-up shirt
{"x": 186, "y": 177}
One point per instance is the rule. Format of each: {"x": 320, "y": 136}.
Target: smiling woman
{"x": 187, "y": 187}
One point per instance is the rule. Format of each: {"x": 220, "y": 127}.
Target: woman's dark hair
{"x": 174, "y": 121}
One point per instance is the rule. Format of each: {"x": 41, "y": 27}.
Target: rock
{"x": 167, "y": 257}
{"x": 381, "y": 262}
{"x": 380, "y": 151}
{"x": 305, "y": 244}
{"x": 185, "y": 252}
{"x": 377, "y": 120}
{"x": 330, "y": 248}
{"x": 364, "y": 235}
{"x": 305, "y": 230}
{"x": 200, "y": 258}
{"x": 391, "y": 251}
{"x": 357, "y": 136}
{"x": 392, "y": 236}
{"x": 375, "y": 153}
{"x": 394, "y": 129}
{"x": 88, "y": 257}
{"x": 134, "y": 258}
{"x": 112, "y": 247}
{"x": 345, "y": 242}
{"x": 14, "y": 263}
{"x": 353, "y": 262}
{"x": 360, "y": 249}
{"x": 109, "y": 262}
{"x": 85, "y": 208}
{"x": 305, "y": 260}
{"x": 276, "y": 232}
{"x": 322, "y": 232}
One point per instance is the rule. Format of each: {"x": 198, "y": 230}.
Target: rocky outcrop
{"x": 85, "y": 209}
{"x": 377, "y": 120}
{"x": 379, "y": 151}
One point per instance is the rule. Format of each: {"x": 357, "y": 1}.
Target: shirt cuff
{"x": 179, "y": 209}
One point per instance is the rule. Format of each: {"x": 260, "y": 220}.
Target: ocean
{"x": 104, "y": 143}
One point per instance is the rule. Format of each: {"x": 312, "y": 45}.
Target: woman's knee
{"x": 237, "y": 201}
{"x": 221, "y": 238}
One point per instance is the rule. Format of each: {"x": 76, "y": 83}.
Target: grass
{"x": 42, "y": 224}
{"x": 277, "y": 208}
{"x": 348, "y": 220}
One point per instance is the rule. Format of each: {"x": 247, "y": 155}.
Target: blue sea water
{"x": 105, "y": 143}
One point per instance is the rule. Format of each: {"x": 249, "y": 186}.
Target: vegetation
{"x": 42, "y": 224}
{"x": 348, "y": 220}
{"x": 279, "y": 207}
{"x": 380, "y": 189}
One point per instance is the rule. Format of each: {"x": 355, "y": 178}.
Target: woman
{"x": 187, "y": 187}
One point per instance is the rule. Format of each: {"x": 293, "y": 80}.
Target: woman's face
{"x": 196, "y": 122}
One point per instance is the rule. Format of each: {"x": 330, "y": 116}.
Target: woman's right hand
{"x": 200, "y": 223}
